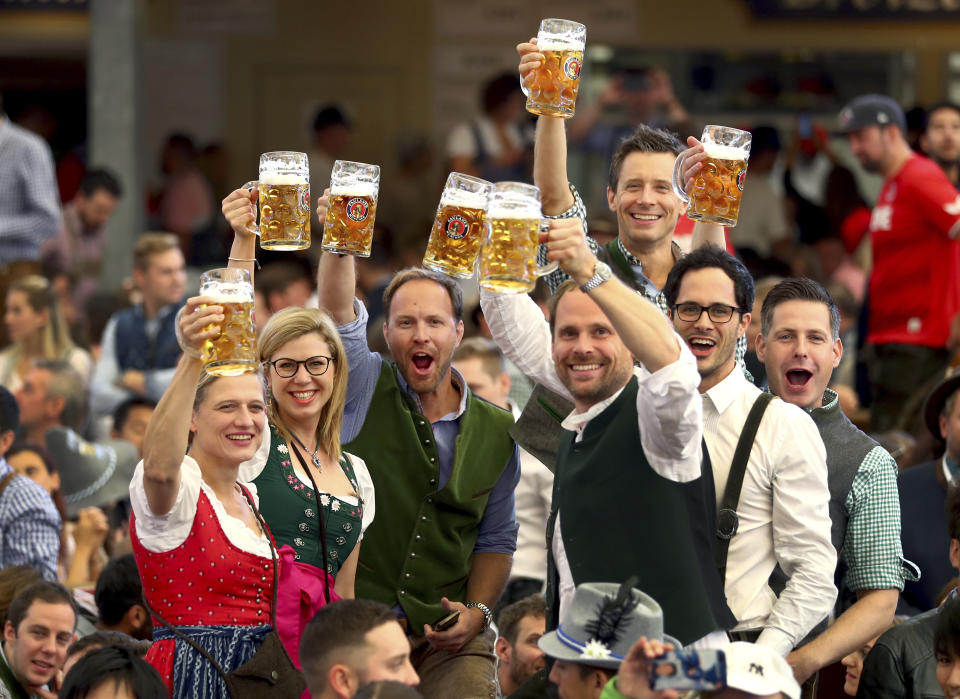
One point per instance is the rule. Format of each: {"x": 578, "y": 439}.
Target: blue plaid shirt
{"x": 29, "y": 198}
{"x": 29, "y": 525}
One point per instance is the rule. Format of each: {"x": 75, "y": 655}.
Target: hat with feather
{"x": 602, "y": 622}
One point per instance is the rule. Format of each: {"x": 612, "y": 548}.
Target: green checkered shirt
{"x": 871, "y": 547}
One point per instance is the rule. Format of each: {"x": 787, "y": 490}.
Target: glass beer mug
{"x": 551, "y": 88}
{"x": 717, "y": 188}
{"x": 348, "y": 228}
{"x": 458, "y": 228}
{"x": 508, "y": 259}
{"x": 234, "y": 351}
{"x": 284, "y": 189}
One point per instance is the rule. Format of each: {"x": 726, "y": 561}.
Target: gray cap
{"x": 92, "y": 474}
{"x": 871, "y": 110}
{"x": 603, "y": 621}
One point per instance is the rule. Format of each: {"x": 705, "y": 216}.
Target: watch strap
{"x": 487, "y": 614}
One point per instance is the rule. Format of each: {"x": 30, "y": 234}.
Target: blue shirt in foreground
{"x": 29, "y": 526}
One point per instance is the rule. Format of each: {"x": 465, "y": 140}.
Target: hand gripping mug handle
{"x": 677, "y": 181}
{"x": 550, "y": 266}
{"x": 252, "y": 227}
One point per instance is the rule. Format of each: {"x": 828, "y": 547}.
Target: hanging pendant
{"x": 317, "y": 463}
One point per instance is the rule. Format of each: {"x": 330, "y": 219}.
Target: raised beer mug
{"x": 717, "y": 188}
{"x": 284, "y": 189}
{"x": 348, "y": 228}
{"x": 458, "y": 228}
{"x": 508, "y": 259}
{"x": 551, "y": 89}
{"x": 234, "y": 350}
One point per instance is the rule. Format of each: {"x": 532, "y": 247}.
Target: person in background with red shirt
{"x": 915, "y": 284}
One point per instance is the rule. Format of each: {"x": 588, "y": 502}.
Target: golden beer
{"x": 552, "y": 87}
{"x": 349, "y": 224}
{"x": 458, "y": 228}
{"x": 717, "y": 188}
{"x": 284, "y": 213}
{"x": 234, "y": 351}
{"x": 508, "y": 263}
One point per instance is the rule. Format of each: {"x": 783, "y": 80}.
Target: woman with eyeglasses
{"x": 316, "y": 498}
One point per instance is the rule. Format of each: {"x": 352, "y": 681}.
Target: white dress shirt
{"x": 669, "y": 410}
{"x": 533, "y": 496}
{"x": 783, "y": 513}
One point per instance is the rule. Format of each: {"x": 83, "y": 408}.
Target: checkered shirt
{"x": 29, "y": 525}
{"x": 29, "y": 198}
{"x": 659, "y": 299}
{"x": 871, "y": 547}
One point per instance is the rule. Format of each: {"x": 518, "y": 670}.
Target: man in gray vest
{"x": 800, "y": 346}
{"x": 771, "y": 487}
{"x": 445, "y": 469}
{"x": 629, "y": 461}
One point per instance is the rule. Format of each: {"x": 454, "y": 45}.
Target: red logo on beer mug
{"x": 305, "y": 199}
{"x": 357, "y": 209}
{"x": 572, "y": 67}
{"x": 741, "y": 176}
{"x": 457, "y": 227}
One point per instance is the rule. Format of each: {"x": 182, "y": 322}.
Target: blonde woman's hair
{"x": 56, "y": 342}
{"x": 290, "y": 324}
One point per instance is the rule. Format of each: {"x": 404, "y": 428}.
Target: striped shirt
{"x": 29, "y": 198}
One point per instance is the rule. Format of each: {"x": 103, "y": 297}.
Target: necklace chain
{"x": 313, "y": 457}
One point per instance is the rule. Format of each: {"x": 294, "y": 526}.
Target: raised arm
{"x": 550, "y": 148}
{"x": 641, "y": 325}
{"x": 336, "y": 277}
{"x": 240, "y": 209}
{"x": 165, "y": 441}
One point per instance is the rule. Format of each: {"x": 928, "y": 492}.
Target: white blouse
{"x": 162, "y": 533}
{"x": 249, "y": 470}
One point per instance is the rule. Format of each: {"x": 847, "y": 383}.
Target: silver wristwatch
{"x": 487, "y": 614}
{"x": 601, "y": 273}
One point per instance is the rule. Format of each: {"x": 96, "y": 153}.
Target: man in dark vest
{"x": 800, "y": 347}
{"x": 139, "y": 350}
{"x": 640, "y": 195}
{"x": 771, "y": 485}
{"x": 629, "y": 462}
{"x": 444, "y": 468}
{"x": 923, "y": 492}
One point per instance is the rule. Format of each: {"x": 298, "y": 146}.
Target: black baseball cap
{"x": 871, "y": 110}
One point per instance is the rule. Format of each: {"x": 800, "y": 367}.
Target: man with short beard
{"x": 629, "y": 462}
{"x": 775, "y": 512}
{"x": 941, "y": 139}
{"x": 915, "y": 282}
{"x": 443, "y": 464}
{"x": 521, "y": 625}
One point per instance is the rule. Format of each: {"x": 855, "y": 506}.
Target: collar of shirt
{"x": 651, "y": 292}
{"x": 576, "y": 421}
{"x": 5, "y": 467}
{"x": 727, "y": 391}
{"x": 828, "y": 403}
{"x": 458, "y": 383}
{"x": 948, "y": 470}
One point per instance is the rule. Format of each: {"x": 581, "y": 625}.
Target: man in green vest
{"x": 444, "y": 468}
{"x": 40, "y": 627}
{"x": 800, "y": 347}
{"x": 627, "y": 497}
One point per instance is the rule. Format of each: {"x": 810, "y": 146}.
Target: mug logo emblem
{"x": 357, "y": 209}
{"x": 456, "y": 227}
{"x": 305, "y": 198}
{"x": 571, "y": 67}
{"x": 741, "y": 176}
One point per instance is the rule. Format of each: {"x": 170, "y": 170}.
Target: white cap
{"x": 759, "y": 670}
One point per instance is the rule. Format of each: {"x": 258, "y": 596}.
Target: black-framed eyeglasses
{"x": 717, "y": 312}
{"x": 316, "y": 366}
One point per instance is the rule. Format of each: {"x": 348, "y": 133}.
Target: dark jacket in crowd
{"x": 902, "y": 664}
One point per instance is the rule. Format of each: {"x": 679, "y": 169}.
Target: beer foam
{"x": 460, "y": 197}
{"x": 721, "y": 152}
{"x": 268, "y": 178}
{"x": 228, "y": 293}
{"x": 354, "y": 189}
{"x": 513, "y": 209}
{"x": 558, "y": 42}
